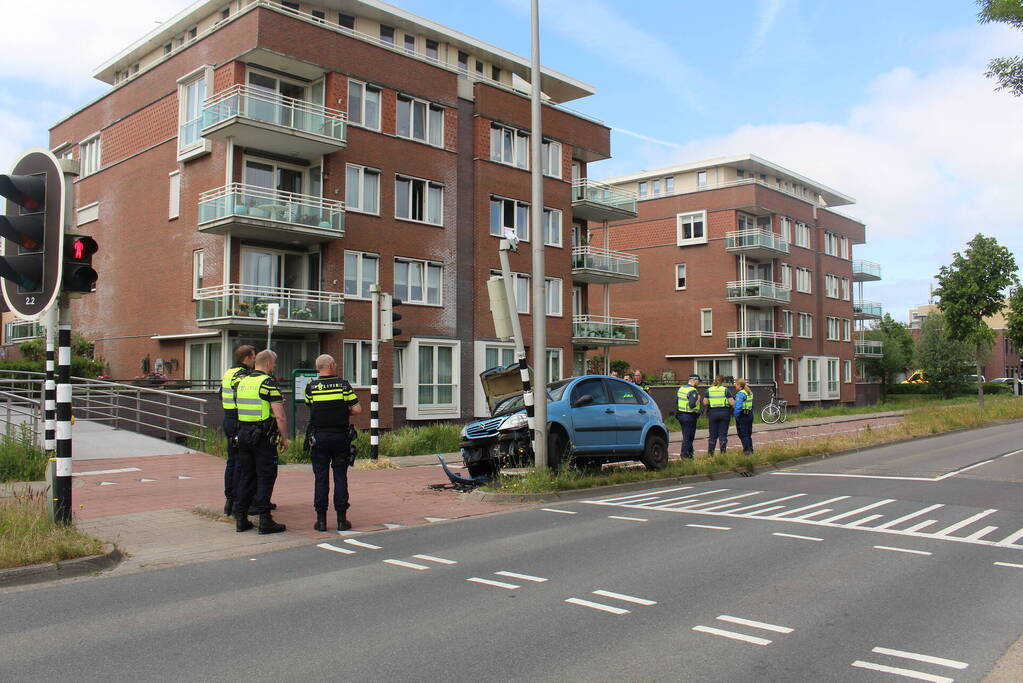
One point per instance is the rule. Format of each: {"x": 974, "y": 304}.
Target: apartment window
{"x": 319, "y": 14}
{"x": 436, "y": 375}
{"x": 191, "y": 94}
{"x": 552, "y": 289}
{"x": 551, "y": 157}
{"x": 509, "y": 214}
{"x": 167, "y": 49}
{"x": 803, "y": 280}
{"x": 509, "y": 146}
{"x": 847, "y": 371}
{"x": 192, "y": 33}
{"x": 204, "y": 361}
{"x": 706, "y": 322}
{"x": 845, "y": 288}
{"x": 398, "y": 376}
{"x": 833, "y": 377}
{"x": 669, "y": 185}
{"x": 520, "y": 289}
{"x": 495, "y": 73}
{"x": 290, "y": 5}
{"x": 691, "y": 228}
{"x": 356, "y": 365}
{"x": 346, "y": 21}
{"x": 655, "y": 187}
{"x": 802, "y": 235}
{"x": 361, "y": 271}
{"x": 833, "y": 329}
{"x": 786, "y": 322}
{"x": 786, "y": 275}
{"x": 362, "y": 189}
{"x": 812, "y": 376}
{"x": 410, "y": 44}
{"x": 785, "y": 227}
{"x": 831, "y": 286}
{"x": 417, "y": 282}
{"x": 712, "y": 367}
{"x": 387, "y": 34}
{"x": 463, "y": 62}
{"x": 845, "y": 248}
{"x": 701, "y": 180}
{"x": 788, "y": 369}
{"x": 553, "y": 365}
{"x": 830, "y": 244}
{"x": 642, "y": 189}
{"x": 846, "y": 329}
{"x": 420, "y": 120}
{"x": 680, "y": 276}
{"x": 552, "y": 227}
{"x": 418, "y": 200}
{"x": 364, "y": 105}
{"x": 806, "y": 325}
{"x": 89, "y": 155}
{"x": 174, "y": 193}
{"x": 479, "y": 67}
{"x": 432, "y": 51}
{"x": 198, "y": 270}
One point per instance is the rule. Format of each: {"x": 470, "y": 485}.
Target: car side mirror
{"x": 583, "y": 400}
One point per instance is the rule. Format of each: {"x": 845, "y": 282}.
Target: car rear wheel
{"x": 557, "y": 450}
{"x": 655, "y": 453}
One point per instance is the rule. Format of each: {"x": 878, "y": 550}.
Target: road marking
{"x": 767, "y": 502}
{"x": 815, "y": 513}
{"x": 362, "y": 544}
{"x": 490, "y": 582}
{"x": 145, "y": 480}
{"x": 947, "y": 531}
{"x": 334, "y": 548}
{"x": 921, "y": 525}
{"x": 597, "y": 605}
{"x": 391, "y": 525}
{"x": 625, "y": 598}
{"x": 523, "y": 577}
{"x": 753, "y": 515}
{"x": 710, "y": 526}
{"x": 720, "y": 500}
{"x": 1011, "y": 538}
{"x": 666, "y": 504}
{"x": 808, "y": 507}
{"x": 908, "y": 673}
{"x": 980, "y": 534}
{"x": 1009, "y": 564}
{"x": 831, "y": 520}
{"x": 410, "y": 565}
{"x": 904, "y": 518}
{"x": 108, "y": 483}
{"x": 182, "y": 476}
{"x": 563, "y": 512}
{"x": 732, "y": 634}
{"x": 645, "y": 494}
{"x": 436, "y": 519}
{"x": 431, "y": 558}
{"x": 941, "y": 477}
{"x": 929, "y": 659}
{"x": 804, "y": 538}
{"x": 860, "y": 522}
{"x": 755, "y": 624}
{"x": 628, "y": 519}
{"x": 92, "y": 472}
{"x": 903, "y": 550}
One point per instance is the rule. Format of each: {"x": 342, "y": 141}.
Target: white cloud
{"x": 766, "y": 17}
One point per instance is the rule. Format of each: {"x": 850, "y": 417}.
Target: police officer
{"x": 245, "y": 358}
{"x": 331, "y": 401}
{"x": 744, "y": 415}
{"x": 261, "y": 428}
{"x": 637, "y": 379}
{"x": 688, "y": 413}
{"x": 719, "y": 402}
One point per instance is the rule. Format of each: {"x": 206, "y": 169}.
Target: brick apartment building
{"x": 747, "y": 272}
{"x": 252, "y": 152}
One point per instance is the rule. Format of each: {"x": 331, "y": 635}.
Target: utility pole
{"x": 374, "y": 391}
{"x": 539, "y": 426}
{"x": 510, "y": 243}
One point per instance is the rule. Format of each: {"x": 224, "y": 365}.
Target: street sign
{"x": 273, "y": 314}
{"x": 300, "y": 379}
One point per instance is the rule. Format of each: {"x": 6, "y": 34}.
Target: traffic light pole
{"x": 62, "y": 478}
{"x": 374, "y": 390}
{"x": 539, "y": 423}
{"x": 506, "y": 245}
{"x": 50, "y": 387}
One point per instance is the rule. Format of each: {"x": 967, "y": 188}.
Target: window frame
{"x": 788, "y": 366}
{"x": 425, "y": 266}
{"x": 846, "y": 329}
{"x": 549, "y": 296}
{"x": 520, "y": 146}
{"x": 398, "y": 376}
{"x": 802, "y": 235}
{"x": 682, "y": 278}
{"x": 523, "y": 304}
{"x": 788, "y": 322}
{"x": 425, "y": 210}
{"x": 548, "y": 217}
{"x": 90, "y": 161}
{"x": 363, "y": 349}
{"x": 200, "y": 144}
{"x": 523, "y": 233}
{"x": 804, "y": 280}
{"x": 362, "y": 172}
{"x": 436, "y": 407}
{"x": 706, "y": 316}
{"x": 198, "y": 270}
{"x": 805, "y": 324}
{"x": 361, "y": 123}
{"x": 428, "y": 122}
{"x": 681, "y": 221}
{"x": 551, "y": 158}
{"x": 360, "y": 267}
{"x": 174, "y": 195}
{"x": 834, "y": 329}
{"x": 831, "y": 285}
{"x": 847, "y": 371}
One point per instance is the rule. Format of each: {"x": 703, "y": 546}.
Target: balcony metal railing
{"x": 250, "y": 301}
{"x": 866, "y": 347}
{"x": 867, "y": 308}
{"x": 867, "y": 268}
{"x": 586, "y": 190}
{"x": 272, "y": 205}
{"x": 606, "y": 260}
{"x": 604, "y": 328}
{"x": 757, "y": 289}
{"x": 759, "y": 341}
{"x": 740, "y": 240}
{"x": 22, "y": 330}
{"x": 269, "y": 107}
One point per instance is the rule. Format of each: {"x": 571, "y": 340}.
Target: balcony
{"x": 756, "y": 243}
{"x": 866, "y": 271}
{"x": 244, "y": 307}
{"x": 866, "y": 310}
{"x": 757, "y": 293}
{"x": 593, "y": 201}
{"x": 868, "y": 349}
{"x": 258, "y": 118}
{"x": 598, "y": 330}
{"x": 760, "y": 342}
{"x": 258, "y": 213}
{"x": 603, "y": 266}
{"x": 22, "y": 330}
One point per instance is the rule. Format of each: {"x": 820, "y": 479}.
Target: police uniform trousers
{"x": 330, "y": 452}
{"x": 719, "y": 418}
{"x": 744, "y": 428}
{"x": 231, "y": 470}
{"x": 257, "y": 469}
{"x": 688, "y": 423}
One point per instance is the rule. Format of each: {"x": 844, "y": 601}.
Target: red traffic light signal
{"x": 79, "y": 275}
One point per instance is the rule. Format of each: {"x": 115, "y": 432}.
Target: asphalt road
{"x": 908, "y": 566}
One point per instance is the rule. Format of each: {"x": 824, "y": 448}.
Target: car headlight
{"x": 516, "y": 421}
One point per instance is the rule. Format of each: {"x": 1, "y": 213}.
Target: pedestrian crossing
{"x": 990, "y": 527}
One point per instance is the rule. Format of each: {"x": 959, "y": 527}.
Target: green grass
{"x": 28, "y": 536}
{"x": 21, "y": 458}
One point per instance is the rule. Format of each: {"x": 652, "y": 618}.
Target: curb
{"x": 65, "y": 569}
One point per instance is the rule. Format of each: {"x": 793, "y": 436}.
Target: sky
{"x": 883, "y": 101}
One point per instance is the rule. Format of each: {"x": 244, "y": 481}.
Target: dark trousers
{"x": 330, "y": 452}
{"x": 744, "y": 427}
{"x": 257, "y": 473}
{"x": 231, "y": 470}
{"x": 718, "y": 419}
{"x": 688, "y": 423}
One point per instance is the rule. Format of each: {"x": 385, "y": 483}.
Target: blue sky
{"x": 884, "y": 101}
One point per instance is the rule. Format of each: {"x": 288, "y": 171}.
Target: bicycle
{"x": 776, "y": 410}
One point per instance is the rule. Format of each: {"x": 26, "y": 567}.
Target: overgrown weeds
{"x": 28, "y": 535}
{"x": 21, "y": 458}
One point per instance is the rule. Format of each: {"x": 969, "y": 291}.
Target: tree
{"x": 945, "y": 361}
{"x": 973, "y": 288}
{"x": 898, "y": 351}
{"x": 1014, "y": 318}
{"x": 1008, "y": 70}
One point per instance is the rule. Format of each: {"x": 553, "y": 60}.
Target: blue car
{"x": 591, "y": 418}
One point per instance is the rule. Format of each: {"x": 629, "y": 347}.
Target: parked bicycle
{"x": 776, "y": 410}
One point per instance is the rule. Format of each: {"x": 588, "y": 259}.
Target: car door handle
{"x": 642, "y": 411}
{"x": 608, "y": 410}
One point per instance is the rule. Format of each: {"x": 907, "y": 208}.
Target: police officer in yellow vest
{"x": 331, "y": 401}
{"x": 261, "y": 428}
{"x": 245, "y": 358}
{"x": 719, "y": 402}
{"x": 744, "y": 415}
{"x": 688, "y": 413}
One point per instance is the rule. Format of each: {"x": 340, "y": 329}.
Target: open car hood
{"x": 501, "y": 383}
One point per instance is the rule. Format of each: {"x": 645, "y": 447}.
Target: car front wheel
{"x": 557, "y": 455}
{"x": 655, "y": 453}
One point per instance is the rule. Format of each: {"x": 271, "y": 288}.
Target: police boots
{"x": 342, "y": 522}
{"x": 241, "y": 522}
{"x": 321, "y": 520}
{"x": 267, "y": 525}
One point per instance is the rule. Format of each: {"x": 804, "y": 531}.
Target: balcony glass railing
{"x": 281, "y": 207}
{"x": 605, "y": 260}
{"x": 757, "y": 289}
{"x": 759, "y": 341}
{"x": 263, "y": 105}
{"x": 868, "y": 308}
{"x": 868, "y": 268}
{"x": 740, "y": 240}
{"x": 867, "y": 347}
{"x": 598, "y": 327}
{"x": 587, "y": 190}
{"x": 251, "y": 301}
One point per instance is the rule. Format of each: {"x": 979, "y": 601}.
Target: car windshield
{"x": 513, "y": 403}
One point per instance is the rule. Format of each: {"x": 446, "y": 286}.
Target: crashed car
{"x": 590, "y": 419}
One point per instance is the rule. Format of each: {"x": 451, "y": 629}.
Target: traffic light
{"x": 32, "y": 225}
{"x": 499, "y": 308}
{"x": 79, "y": 275}
{"x": 388, "y": 317}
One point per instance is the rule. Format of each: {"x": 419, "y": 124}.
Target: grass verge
{"x": 21, "y": 458}
{"x": 28, "y": 536}
{"x": 918, "y": 422}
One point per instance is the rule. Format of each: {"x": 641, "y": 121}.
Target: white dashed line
{"x": 522, "y": 577}
{"x": 903, "y": 550}
{"x": 490, "y": 582}
{"x": 710, "y": 526}
{"x": 714, "y": 503}
{"x": 362, "y": 544}
{"x": 755, "y": 624}
{"x": 146, "y": 480}
{"x": 334, "y": 548}
{"x": 597, "y": 606}
{"x": 732, "y": 634}
{"x": 904, "y": 518}
{"x": 929, "y": 659}
{"x": 947, "y": 531}
{"x": 920, "y": 525}
{"x": 908, "y": 673}
{"x": 766, "y": 502}
{"x": 625, "y": 598}
{"x": 436, "y": 519}
{"x": 808, "y": 507}
{"x": 431, "y": 558}
{"x": 410, "y": 565}
{"x": 563, "y": 512}
{"x": 108, "y": 483}
{"x": 182, "y": 476}
{"x": 391, "y": 525}
{"x": 1009, "y": 564}
{"x": 1011, "y": 538}
{"x": 802, "y": 538}
{"x": 835, "y": 518}
{"x": 92, "y": 472}
{"x": 628, "y": 519}
{"x": 977, "y": 535}
{"x": 861, "y": 522}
